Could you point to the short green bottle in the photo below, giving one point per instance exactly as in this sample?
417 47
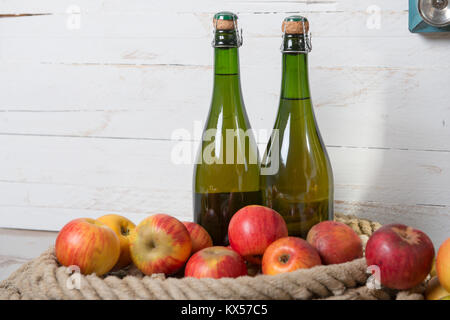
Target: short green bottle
226 173
296 176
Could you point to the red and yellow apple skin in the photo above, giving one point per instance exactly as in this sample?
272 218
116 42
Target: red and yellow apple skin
403 254
122 227
289 254
160 244
335 241
443 264
253 228
199 236
216 262
88 244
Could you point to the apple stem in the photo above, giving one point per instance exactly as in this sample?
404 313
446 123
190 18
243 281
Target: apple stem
124 231
284 258
151 244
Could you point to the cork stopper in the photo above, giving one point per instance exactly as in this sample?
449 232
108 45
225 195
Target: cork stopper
295 25
225 21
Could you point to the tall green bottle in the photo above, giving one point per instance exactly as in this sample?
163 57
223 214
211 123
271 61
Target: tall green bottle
226 173
301 190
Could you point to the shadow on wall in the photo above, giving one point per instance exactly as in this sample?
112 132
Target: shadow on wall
410 183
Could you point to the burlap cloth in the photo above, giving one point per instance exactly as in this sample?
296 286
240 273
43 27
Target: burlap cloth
44 278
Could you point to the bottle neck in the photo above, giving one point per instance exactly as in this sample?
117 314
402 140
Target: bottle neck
227 87
226 61
295 82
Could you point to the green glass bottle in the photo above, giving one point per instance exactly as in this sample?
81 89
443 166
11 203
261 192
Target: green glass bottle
301 190
226 173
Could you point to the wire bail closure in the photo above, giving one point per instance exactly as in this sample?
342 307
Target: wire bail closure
305 46
218 43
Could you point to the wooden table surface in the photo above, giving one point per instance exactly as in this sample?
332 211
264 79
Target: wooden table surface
19 246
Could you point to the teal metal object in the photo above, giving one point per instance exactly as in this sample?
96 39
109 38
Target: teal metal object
417 23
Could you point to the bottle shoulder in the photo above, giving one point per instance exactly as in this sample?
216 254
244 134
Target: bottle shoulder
227 113
228 158
296 139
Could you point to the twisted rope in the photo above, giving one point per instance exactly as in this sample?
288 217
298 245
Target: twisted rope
43 278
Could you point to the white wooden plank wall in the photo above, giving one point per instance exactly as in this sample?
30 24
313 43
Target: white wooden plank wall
89 102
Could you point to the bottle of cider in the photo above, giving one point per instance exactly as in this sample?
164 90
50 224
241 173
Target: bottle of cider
226 173
300 187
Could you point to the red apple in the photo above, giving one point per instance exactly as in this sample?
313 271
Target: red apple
253 228
289 254
160 244
335 241
88 244
199 236
403 254
253 264
216 262
443 264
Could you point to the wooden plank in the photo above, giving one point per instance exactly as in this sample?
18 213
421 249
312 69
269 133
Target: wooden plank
347 51
149 6
143 168
140 169
72 177
54 216
197 25
388 107
433 220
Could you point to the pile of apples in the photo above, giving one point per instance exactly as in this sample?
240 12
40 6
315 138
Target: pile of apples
258 237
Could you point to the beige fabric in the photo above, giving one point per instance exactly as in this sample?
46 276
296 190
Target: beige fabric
43 278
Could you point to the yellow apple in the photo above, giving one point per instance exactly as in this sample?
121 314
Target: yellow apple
160 244
443 264
122 227
434 290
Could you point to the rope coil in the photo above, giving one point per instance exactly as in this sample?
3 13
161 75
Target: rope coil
44 278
